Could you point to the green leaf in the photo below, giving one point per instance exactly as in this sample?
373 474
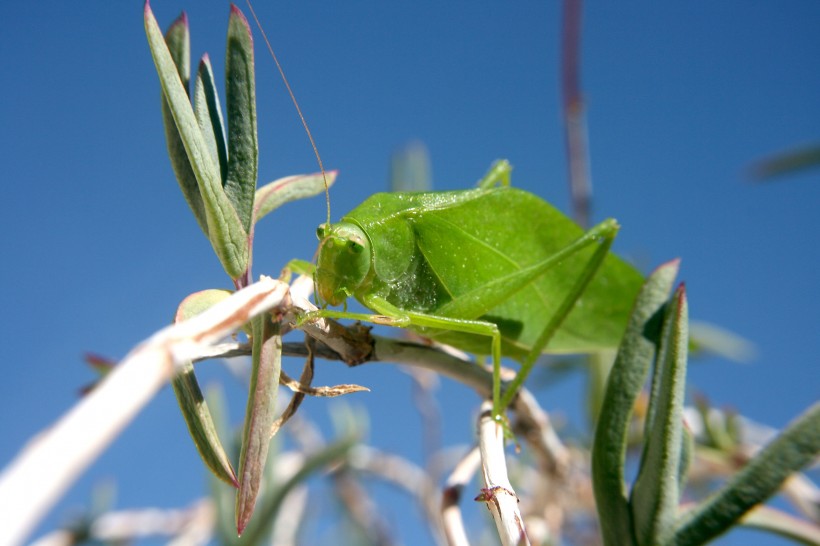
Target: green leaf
627 378
179 45
199 302
290 188
198 419
209 114
259 416
194 409
225 231
243 150
301 267
656 493
797 446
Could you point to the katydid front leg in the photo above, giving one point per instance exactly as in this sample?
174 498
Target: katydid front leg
390 315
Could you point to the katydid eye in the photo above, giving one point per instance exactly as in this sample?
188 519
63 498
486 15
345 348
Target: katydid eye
321 231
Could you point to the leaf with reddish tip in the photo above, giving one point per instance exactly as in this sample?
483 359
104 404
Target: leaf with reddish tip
240 93
290 188
225 231
259 415
194 408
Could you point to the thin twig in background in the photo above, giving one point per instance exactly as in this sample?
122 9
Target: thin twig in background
575 134
451 519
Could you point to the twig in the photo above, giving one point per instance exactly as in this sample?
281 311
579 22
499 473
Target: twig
404 474
187 526
451 519
498 493
575 124
51 462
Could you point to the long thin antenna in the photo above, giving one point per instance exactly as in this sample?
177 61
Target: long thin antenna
295 103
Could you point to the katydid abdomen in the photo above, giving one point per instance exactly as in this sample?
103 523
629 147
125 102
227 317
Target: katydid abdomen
465 255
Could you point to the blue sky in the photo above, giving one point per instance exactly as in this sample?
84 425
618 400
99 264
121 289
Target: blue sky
99 245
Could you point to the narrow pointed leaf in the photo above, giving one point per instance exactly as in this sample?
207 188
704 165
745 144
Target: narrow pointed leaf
240 91
259 416
797 446
272 196
200 426
179 45
194 408
626 379
656 493
225 231
209 114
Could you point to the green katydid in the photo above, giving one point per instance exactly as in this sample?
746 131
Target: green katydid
493 270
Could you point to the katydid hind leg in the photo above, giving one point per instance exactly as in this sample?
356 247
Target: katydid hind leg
605 234
466 326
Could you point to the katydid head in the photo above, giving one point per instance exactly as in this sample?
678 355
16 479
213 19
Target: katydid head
343 261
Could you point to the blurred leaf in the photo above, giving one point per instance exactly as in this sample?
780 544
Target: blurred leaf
656 493
198 302
240 90
290 188
193 406
269 508
102 366
797 446
229 239
209 115
625 382
259 415
301 267
597 367
687 452
223 495
783 524
410 169
710 338
790 162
